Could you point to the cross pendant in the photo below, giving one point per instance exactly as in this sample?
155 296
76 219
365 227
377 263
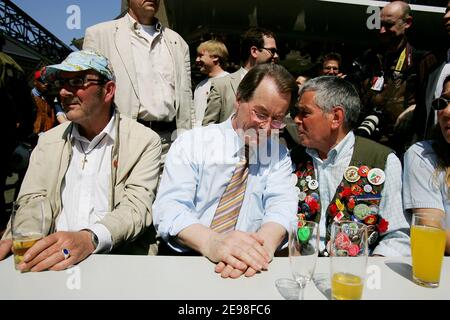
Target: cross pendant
83 161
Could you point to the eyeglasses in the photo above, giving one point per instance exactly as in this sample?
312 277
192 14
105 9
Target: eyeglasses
440 103
275 123
77 82
273 51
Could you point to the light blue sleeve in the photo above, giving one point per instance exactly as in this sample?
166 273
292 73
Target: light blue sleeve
279 198
173 209
421 188
396 241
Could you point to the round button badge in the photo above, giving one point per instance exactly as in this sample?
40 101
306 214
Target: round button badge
294 179
351 174
376 176
313 184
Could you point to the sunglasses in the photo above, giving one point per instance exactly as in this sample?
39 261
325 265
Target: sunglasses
76 82
272 51
440 103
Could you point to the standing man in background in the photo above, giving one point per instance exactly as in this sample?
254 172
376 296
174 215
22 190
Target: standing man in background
211 59
152 67
258 46
392 78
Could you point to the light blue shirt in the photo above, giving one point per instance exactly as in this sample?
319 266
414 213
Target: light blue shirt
198 167
329 173
424 186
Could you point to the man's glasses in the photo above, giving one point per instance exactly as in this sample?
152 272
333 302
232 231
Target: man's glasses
273 51
76 82
274 124
440 103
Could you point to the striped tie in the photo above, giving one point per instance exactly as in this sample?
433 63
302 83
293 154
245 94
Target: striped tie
230 204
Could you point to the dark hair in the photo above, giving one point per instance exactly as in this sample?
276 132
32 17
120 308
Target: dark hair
253 37
282 78
332 56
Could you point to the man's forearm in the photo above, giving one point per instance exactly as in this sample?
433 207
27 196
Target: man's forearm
272 233
196 237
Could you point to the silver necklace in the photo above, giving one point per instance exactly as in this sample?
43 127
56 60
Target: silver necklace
86 153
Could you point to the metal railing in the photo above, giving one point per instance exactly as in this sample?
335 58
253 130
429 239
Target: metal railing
18 25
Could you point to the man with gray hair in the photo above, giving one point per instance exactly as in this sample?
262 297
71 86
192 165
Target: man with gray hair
342 176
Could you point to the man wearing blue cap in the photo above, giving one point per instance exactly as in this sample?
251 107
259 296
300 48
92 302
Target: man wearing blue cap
99 172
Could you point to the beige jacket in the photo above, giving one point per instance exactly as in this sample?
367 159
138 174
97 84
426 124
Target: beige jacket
222 97
135 170
112 39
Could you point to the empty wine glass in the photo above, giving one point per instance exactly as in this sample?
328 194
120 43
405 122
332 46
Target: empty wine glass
303 252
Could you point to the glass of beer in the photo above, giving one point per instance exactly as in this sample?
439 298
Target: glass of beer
348 259
428 239
27 225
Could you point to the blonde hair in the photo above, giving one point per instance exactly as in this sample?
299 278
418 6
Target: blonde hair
215 48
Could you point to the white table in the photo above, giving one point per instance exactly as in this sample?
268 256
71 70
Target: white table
181 278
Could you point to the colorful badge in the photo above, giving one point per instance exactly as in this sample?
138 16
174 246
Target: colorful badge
376 176
361 211
363 171
351 174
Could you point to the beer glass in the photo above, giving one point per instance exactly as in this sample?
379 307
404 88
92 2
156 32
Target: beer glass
428 239
348 254
27 225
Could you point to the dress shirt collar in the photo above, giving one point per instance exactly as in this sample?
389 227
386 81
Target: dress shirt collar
134 25
337 152
231 135
109 130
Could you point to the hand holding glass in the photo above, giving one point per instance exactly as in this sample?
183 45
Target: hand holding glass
27 225
348 240
428 239
303 252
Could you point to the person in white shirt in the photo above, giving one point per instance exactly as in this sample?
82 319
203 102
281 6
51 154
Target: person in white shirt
211 59
202 207
152 67
342 176
99 172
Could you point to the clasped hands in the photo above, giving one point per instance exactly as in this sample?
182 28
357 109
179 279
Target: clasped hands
238 253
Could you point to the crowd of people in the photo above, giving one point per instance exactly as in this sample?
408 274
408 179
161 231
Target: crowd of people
135 162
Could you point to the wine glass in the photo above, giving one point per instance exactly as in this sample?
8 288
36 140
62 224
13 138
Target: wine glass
303 251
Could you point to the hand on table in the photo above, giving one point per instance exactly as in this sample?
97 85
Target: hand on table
239 250
47 252
5 248
228 271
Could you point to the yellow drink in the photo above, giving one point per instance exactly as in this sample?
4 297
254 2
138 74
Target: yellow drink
21 245
427 250
346 286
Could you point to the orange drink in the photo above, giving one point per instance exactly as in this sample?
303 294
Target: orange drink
427 250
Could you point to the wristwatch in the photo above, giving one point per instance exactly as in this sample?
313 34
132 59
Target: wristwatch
94 238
